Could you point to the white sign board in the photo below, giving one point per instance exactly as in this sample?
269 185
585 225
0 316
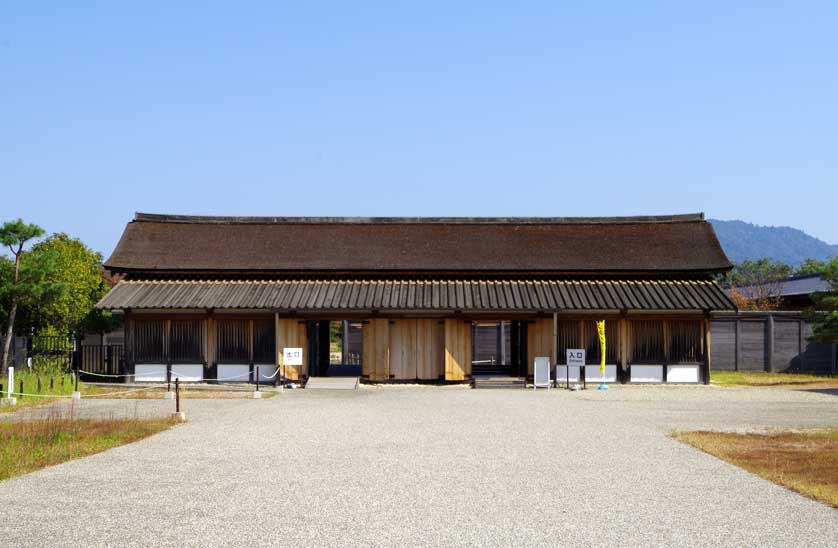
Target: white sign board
292 356
541 373
575 357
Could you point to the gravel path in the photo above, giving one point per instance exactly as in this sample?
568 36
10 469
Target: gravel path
388 466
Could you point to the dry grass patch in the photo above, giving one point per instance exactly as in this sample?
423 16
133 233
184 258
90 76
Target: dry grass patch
29 446
806 462
758 378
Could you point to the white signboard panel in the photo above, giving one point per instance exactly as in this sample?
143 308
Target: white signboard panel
575 357
292 356
541 373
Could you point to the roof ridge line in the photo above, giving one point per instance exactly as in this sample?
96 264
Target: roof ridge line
209 219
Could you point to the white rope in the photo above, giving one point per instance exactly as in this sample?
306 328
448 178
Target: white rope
101 374
174 376
231 378
274 375
22 394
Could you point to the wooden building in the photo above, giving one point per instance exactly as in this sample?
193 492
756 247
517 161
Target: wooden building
416 299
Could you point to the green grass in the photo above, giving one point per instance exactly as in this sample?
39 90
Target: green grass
62 385
758 378
30 446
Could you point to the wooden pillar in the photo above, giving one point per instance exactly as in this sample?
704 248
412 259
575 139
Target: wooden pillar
736 345
801 346
769 343
554 359
624 348
705 374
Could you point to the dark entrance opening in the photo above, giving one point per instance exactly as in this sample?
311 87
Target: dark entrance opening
335 347
499 348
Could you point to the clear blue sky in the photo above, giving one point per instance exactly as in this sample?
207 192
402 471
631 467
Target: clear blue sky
437 108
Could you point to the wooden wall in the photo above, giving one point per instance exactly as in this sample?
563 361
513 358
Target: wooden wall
291 333
430 349
457 350
375 362
769 341
540 342
416 349
403 349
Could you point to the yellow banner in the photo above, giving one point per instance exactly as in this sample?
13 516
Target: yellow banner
600 329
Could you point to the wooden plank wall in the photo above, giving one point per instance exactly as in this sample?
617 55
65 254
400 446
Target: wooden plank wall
430 345
375 362
539 341
291 333
457 350
403 349
748 344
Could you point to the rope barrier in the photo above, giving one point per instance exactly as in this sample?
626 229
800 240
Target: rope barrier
102 374
24 394
175 376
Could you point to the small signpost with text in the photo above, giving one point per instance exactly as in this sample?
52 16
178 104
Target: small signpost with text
575 358
290 356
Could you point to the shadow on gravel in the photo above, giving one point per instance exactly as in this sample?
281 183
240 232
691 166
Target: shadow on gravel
827 391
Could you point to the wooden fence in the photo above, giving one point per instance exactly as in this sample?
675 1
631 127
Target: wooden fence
768 341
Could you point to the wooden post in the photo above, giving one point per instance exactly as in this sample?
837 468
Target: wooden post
769 343
177 395
801 346
707 352
555 342
624 349
736 345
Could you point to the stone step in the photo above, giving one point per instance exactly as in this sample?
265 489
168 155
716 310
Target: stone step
499 382
332 383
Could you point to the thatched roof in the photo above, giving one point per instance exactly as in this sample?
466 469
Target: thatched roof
178 244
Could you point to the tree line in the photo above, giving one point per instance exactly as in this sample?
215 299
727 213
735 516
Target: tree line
757 285
49 285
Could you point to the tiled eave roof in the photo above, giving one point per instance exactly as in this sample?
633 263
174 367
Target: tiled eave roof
419 295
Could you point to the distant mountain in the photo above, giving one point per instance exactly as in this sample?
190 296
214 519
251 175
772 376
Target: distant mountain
743 241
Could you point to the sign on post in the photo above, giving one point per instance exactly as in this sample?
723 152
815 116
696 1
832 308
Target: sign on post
292 356
575 358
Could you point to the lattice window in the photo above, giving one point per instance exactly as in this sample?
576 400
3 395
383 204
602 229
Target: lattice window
685 345
149 341
186 341
233 341
568 336
647 341
264 341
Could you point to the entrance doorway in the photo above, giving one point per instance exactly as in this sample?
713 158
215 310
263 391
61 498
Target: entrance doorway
499 348
336 347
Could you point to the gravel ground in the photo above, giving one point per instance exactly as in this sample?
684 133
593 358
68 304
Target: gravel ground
395 466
